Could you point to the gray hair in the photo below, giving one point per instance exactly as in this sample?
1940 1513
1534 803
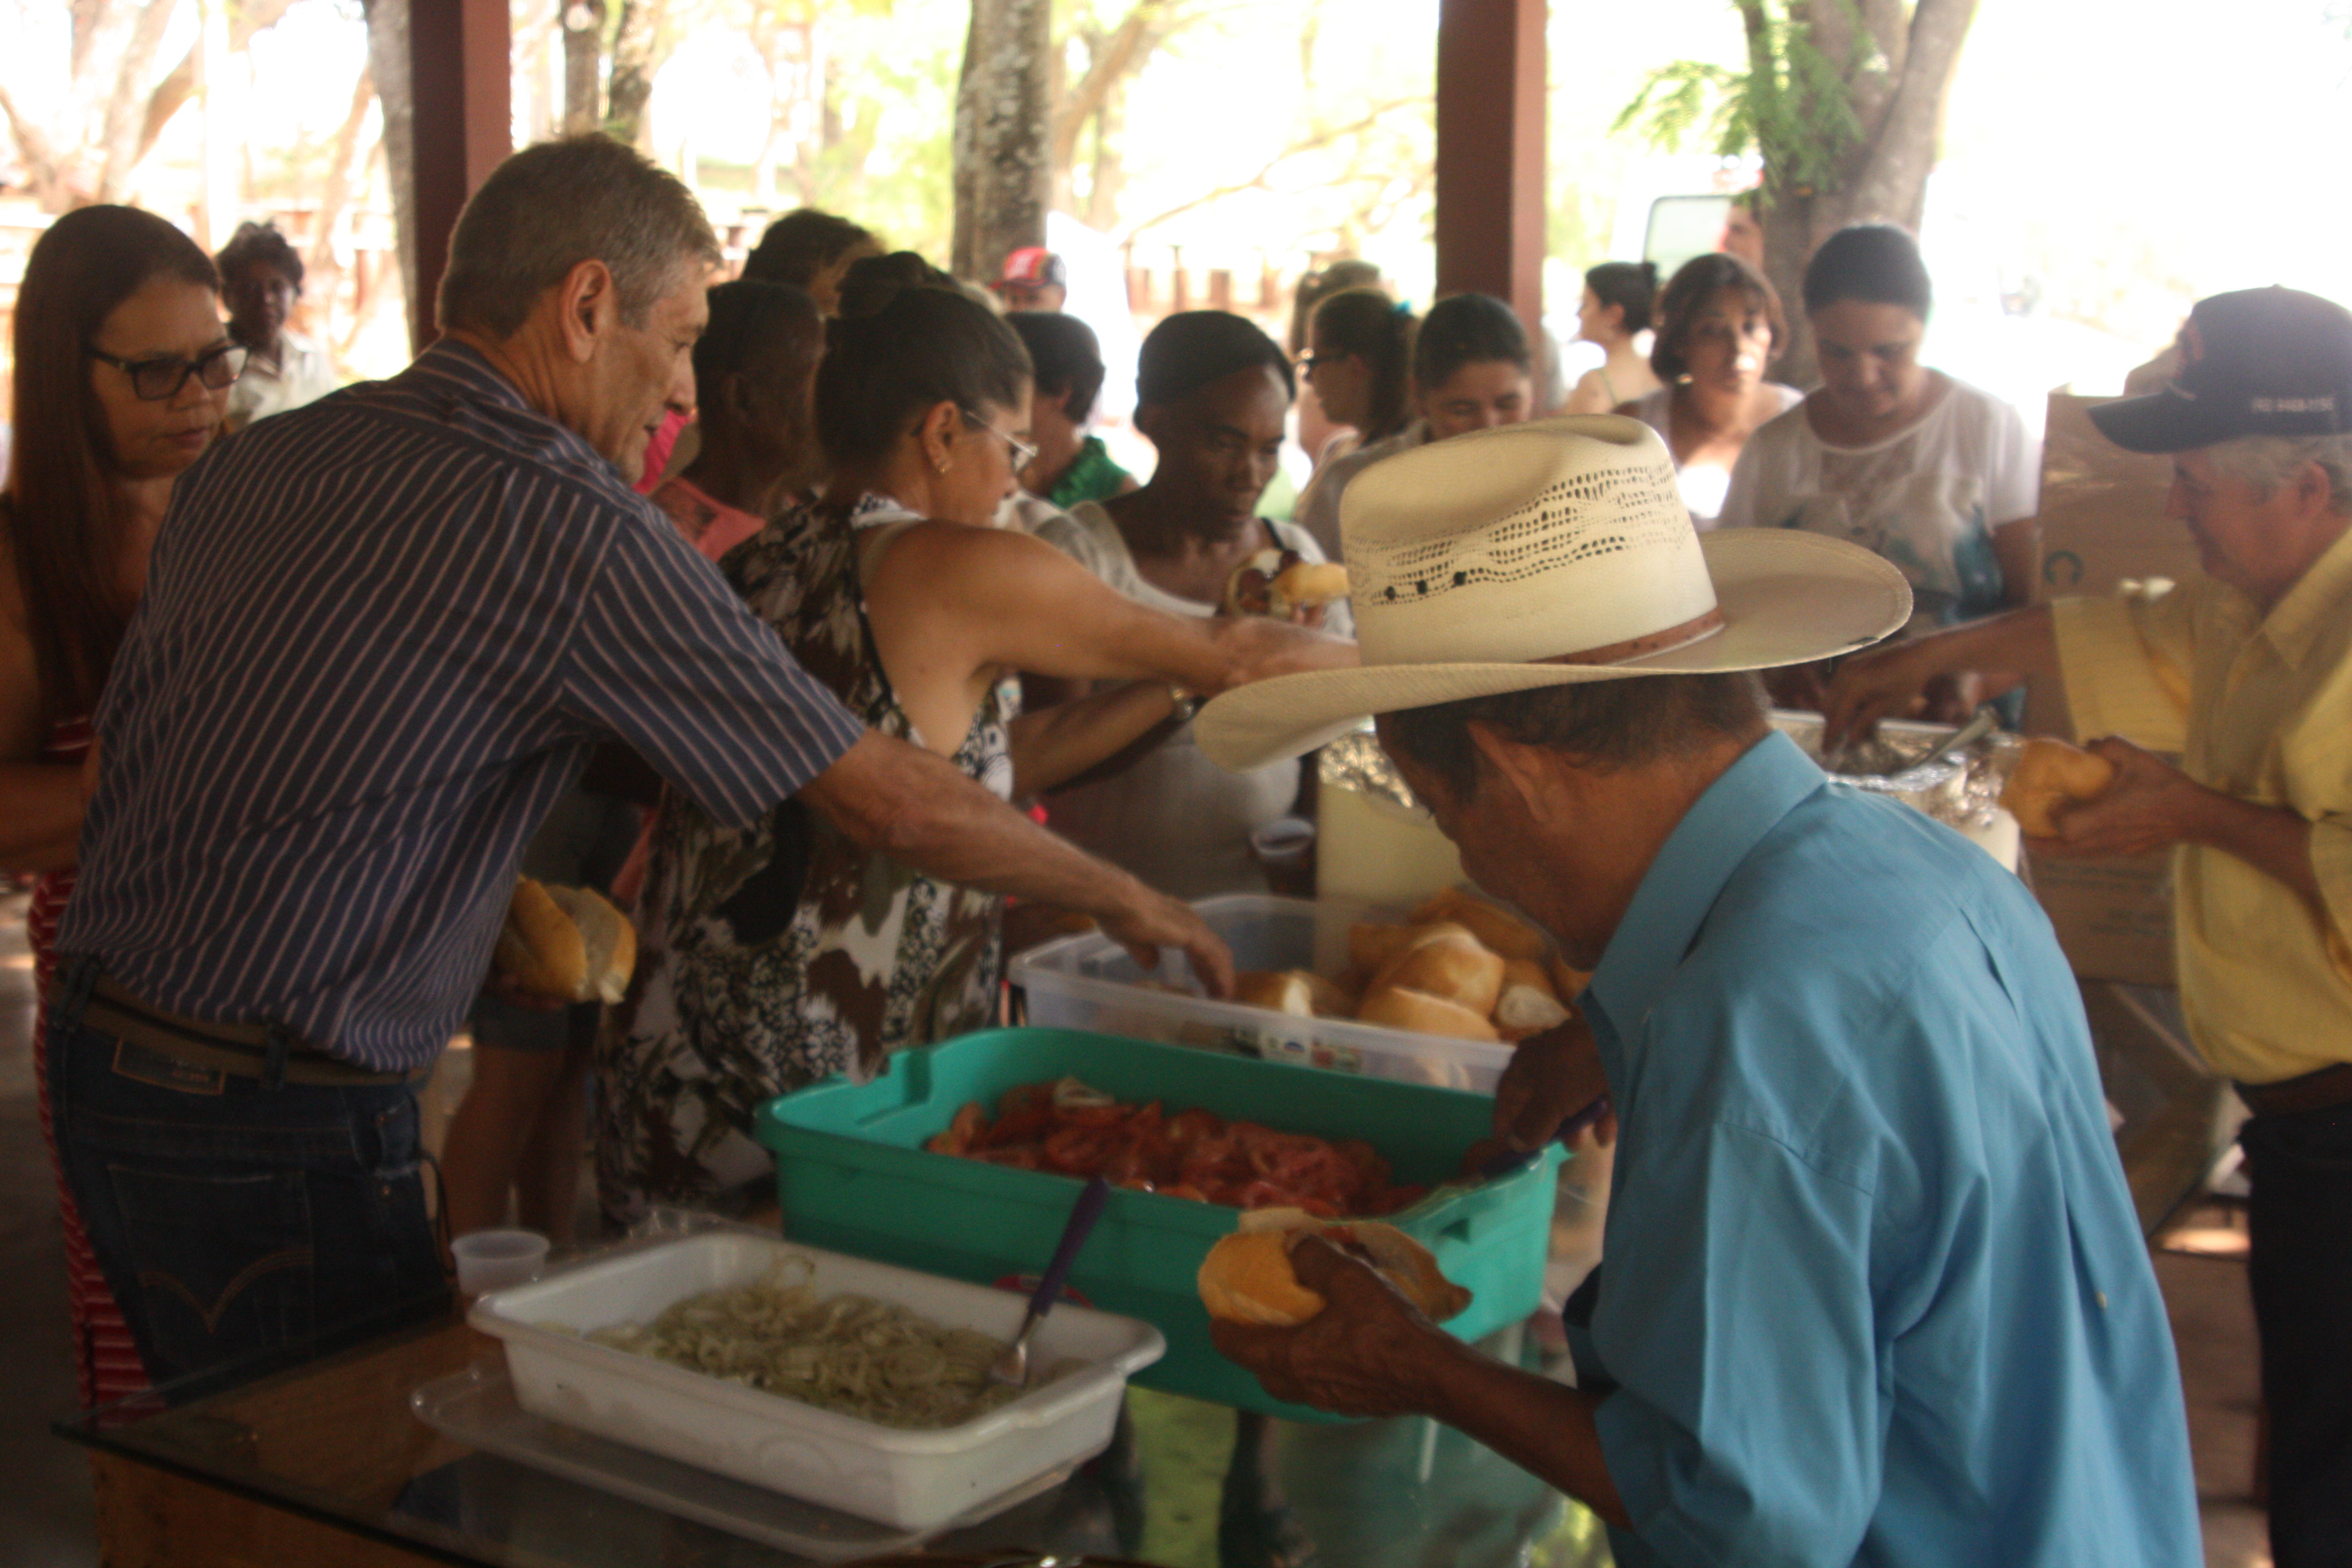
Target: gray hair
2267 462
550 207
1605 725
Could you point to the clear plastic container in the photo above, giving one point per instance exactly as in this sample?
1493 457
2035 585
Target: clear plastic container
1087 982
912 1479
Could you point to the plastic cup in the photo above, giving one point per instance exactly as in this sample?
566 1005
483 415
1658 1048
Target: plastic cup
495 1259
1285 849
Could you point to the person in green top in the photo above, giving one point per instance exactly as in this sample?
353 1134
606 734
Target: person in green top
1070 467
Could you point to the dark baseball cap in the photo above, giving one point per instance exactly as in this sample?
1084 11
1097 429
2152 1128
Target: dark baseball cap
2261 362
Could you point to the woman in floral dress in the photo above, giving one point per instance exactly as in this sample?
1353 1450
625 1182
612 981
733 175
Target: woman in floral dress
773 956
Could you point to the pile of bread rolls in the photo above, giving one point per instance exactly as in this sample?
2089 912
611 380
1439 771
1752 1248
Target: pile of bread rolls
1461 967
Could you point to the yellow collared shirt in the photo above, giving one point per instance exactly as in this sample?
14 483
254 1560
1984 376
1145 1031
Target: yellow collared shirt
2260 708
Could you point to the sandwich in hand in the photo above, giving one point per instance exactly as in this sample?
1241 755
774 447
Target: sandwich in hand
565 941
1247 1277
1277 582
2050 775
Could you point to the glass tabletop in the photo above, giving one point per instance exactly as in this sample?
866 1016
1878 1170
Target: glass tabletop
337 1431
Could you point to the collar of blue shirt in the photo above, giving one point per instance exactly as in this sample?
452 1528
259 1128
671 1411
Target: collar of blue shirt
1698 857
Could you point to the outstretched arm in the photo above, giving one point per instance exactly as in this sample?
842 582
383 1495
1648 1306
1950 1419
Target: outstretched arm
918 808
1052 745
962 599
1884 682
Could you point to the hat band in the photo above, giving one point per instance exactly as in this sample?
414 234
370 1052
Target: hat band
1683 636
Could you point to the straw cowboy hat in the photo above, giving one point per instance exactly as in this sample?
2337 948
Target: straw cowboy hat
1545 555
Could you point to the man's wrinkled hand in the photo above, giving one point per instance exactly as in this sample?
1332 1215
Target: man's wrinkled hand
2150 805
1367 1353
1551 1078
1152 921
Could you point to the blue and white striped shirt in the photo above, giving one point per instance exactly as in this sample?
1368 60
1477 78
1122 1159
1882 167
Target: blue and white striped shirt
380 637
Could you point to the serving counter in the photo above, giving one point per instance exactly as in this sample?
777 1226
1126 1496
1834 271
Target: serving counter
325 1461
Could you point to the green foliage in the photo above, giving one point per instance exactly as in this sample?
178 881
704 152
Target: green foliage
1790 105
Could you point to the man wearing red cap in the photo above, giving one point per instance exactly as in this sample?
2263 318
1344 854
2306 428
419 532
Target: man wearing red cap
2245 671
1034 278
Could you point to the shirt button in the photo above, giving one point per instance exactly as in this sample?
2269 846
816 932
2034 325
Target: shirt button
2103 1300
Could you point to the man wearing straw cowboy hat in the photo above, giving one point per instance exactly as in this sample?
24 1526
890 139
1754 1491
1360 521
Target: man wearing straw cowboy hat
1874 1291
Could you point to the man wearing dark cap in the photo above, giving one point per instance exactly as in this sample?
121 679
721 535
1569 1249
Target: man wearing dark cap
2244 670
1034 278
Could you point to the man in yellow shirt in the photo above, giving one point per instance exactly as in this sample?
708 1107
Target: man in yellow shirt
2245 671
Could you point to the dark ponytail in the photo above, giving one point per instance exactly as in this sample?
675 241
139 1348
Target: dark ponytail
908 338
1630 285
1367 323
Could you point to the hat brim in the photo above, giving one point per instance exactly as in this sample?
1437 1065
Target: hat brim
1787 597
2167 421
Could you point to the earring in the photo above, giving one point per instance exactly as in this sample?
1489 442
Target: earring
942 465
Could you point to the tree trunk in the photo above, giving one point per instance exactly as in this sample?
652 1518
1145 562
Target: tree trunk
1003 162
323 273
1897 88
126 107
387 25
584 51
175 88
636 57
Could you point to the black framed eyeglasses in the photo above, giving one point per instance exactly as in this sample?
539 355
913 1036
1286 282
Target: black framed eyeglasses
159 380
1023 454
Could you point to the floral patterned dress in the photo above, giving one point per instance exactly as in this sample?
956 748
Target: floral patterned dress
775 955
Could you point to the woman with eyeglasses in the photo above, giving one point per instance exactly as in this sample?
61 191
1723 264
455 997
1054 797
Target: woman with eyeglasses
772 956
1358 361
122 375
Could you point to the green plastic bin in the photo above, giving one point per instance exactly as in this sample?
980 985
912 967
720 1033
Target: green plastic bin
851 1175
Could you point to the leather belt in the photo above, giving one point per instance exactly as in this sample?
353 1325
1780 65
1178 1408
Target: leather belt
240 1050
2321 1090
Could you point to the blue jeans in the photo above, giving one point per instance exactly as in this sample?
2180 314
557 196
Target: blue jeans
233 1220
2299 1221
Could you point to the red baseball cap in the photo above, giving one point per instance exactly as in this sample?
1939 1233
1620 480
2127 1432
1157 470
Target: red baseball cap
1034 266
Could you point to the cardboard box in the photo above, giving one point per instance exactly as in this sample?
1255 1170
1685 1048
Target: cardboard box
2114 918
2102 523
2102 512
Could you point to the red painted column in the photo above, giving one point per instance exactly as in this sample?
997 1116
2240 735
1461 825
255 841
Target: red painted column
461 64
1491 88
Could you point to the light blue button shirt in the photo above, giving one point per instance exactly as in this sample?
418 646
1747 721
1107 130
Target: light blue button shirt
1875 1289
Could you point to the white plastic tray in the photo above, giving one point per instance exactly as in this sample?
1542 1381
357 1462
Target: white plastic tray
912 1481
1087 982
477 1407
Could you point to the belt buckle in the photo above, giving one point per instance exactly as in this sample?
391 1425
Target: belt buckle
142 1064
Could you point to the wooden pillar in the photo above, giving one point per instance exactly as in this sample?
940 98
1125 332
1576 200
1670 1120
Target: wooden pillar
460 59
1490 151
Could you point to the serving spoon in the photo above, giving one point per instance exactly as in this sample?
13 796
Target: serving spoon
1013 1367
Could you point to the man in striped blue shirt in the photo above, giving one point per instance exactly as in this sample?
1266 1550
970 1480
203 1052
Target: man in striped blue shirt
380 635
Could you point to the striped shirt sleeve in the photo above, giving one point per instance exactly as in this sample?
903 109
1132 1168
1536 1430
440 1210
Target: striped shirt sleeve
670 661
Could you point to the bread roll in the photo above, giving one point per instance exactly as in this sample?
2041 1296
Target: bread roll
1395 1008
1372 943
1247 1278
1530 1004
1306 585
1276 990
565 941
1329 998
2049 774
1499 930
1448 962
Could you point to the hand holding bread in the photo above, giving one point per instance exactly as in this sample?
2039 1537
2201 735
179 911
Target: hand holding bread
2048 776
1247 1277
1283 585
